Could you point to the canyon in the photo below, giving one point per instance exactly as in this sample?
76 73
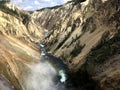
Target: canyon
85 35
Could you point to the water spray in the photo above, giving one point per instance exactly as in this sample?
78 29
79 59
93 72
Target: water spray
63 76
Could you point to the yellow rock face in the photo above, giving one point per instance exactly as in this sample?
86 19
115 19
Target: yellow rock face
17 46
84 24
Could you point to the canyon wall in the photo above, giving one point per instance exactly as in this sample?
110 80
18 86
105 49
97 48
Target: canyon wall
85 35
18 37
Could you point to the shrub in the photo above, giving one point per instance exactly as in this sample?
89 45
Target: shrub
77 49
78 1
73 40
5 9
25 19
104 50
65 38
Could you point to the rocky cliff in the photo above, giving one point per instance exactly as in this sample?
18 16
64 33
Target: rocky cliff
18 23
85 34
18 37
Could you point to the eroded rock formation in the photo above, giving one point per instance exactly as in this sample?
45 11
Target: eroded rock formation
18 35
85 35
78 32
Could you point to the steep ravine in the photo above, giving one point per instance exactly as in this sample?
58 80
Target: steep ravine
20 66
81 35
18 37
85 35
83 24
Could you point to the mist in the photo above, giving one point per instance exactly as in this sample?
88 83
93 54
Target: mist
41 77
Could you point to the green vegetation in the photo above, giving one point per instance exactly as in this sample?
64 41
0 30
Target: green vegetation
99 54
65 38
77 1
102 52
77 49
65 57
88 26
55 7
63 41
4 1
115 18
73 27
73 40
106 49
5 9
25 19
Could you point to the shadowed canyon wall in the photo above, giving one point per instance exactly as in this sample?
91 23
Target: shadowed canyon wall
85 35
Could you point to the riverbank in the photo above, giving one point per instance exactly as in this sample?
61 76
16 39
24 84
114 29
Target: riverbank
4 84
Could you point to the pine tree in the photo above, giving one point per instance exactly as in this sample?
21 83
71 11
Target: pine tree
78 1
4 0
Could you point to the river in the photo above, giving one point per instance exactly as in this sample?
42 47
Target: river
49 74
